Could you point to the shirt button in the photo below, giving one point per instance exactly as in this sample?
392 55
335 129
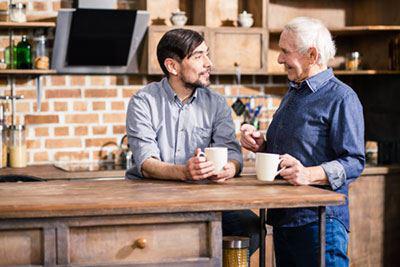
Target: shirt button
178 150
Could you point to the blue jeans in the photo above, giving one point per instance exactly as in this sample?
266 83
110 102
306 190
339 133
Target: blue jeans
299 246
242 223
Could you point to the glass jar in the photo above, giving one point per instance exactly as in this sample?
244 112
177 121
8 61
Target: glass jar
24 54
7 57
236 251
41 61
3 148
353 61
17 146
18 12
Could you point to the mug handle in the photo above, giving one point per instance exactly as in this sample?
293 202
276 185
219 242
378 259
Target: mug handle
201 154
278 172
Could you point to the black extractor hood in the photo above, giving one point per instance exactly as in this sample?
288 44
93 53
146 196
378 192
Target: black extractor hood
98 41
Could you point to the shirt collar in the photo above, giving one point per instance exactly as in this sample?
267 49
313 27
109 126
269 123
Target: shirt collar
171 93
314 83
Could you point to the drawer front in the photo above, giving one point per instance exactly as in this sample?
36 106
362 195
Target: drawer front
21 247
119 244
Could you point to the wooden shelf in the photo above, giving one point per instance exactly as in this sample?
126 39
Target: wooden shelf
349 72
26 25
356 29
27 72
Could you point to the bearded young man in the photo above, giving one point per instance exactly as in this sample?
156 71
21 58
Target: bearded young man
171 121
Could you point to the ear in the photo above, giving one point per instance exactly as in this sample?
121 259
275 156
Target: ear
313 55
171 65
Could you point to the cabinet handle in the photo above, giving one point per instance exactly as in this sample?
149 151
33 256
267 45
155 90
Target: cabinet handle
140 243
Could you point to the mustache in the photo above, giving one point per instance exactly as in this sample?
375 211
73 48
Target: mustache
208 70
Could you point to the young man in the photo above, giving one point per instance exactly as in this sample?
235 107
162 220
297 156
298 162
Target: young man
171 121
319 131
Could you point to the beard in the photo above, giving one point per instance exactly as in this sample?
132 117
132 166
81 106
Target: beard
198 82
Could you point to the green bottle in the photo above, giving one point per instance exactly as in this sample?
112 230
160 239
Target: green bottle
8 59
24 54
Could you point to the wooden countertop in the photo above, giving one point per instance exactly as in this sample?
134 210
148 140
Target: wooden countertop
49 172
89 198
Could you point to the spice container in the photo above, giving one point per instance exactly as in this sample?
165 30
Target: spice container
17 146
18 12
24 54
353 61
41 54
236 251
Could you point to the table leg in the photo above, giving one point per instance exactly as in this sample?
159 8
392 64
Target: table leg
322 231
262 238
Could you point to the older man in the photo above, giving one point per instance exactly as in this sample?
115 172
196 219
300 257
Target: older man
170 121
319 131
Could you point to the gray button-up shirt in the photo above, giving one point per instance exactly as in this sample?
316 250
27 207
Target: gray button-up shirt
160 126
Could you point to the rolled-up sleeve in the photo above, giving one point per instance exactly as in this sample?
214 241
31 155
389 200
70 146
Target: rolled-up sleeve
347 141
224 133
141 133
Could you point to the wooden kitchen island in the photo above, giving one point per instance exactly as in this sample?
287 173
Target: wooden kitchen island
120 223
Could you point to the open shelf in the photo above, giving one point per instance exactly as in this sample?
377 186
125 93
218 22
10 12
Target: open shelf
26 25
356 29
26 72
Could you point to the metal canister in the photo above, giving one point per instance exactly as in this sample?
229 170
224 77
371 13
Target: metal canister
236 251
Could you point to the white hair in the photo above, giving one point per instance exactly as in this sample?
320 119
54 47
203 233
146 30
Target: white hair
310 32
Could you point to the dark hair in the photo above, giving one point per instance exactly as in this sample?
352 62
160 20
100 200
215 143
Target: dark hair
177 44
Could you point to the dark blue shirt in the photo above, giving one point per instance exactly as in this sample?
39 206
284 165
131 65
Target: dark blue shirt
319 122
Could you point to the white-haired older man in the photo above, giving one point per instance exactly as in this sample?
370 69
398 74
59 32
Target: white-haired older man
318 130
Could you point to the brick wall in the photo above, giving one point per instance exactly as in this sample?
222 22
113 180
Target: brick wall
83 117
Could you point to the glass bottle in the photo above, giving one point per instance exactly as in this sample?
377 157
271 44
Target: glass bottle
41 53
236 251
18 12
8 59
24 54
17 146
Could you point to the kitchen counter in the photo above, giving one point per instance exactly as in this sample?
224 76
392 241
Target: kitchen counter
49 172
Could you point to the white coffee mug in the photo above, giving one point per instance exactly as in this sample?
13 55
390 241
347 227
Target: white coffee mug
218 155
267 166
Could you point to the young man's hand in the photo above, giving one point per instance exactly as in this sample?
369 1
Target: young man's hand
199 168
228 172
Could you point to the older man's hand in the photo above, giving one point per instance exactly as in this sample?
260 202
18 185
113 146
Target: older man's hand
295 173
251 139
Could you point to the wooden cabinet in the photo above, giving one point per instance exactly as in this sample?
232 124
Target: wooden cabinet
187 239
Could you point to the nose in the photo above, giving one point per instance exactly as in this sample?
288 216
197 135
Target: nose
281 58
207 62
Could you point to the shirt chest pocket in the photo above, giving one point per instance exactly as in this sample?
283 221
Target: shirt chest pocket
200 138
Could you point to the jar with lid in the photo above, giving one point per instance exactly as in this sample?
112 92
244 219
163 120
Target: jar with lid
17 146
18 12
236 251
41 54
353 61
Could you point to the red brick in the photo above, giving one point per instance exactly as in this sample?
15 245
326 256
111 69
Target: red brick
128 93
42 131
244 90
62 143
43 107
98 80
63 93
23 82
99 130
100 93
219 90
114 118
28 94
41 119
77 80
82 118
80 106
81 130
99 142
40 156
119 129
120 105
136 79
56 6
99 105
60 106
33 143
61 131
276 90
57 80
73 156
23 107
40 6
276 101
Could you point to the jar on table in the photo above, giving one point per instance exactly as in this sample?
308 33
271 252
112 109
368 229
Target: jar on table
236 251
17 146
41 53
18 12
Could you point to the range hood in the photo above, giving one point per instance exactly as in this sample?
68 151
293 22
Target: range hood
98 41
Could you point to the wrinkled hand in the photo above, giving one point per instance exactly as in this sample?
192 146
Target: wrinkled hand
295 173
228 172
251 139
199 168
